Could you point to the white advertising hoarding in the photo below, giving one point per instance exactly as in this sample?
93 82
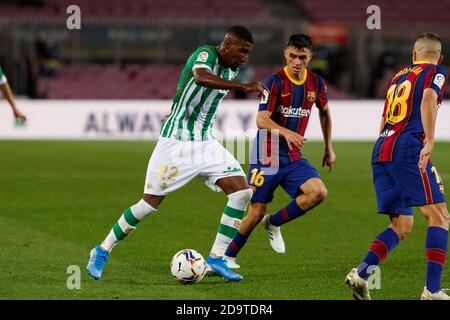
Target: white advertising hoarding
355 120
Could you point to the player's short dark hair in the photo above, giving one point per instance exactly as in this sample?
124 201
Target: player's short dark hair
300 41
429 36
241 33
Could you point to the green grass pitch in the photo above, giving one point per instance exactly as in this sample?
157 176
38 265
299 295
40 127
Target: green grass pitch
58 199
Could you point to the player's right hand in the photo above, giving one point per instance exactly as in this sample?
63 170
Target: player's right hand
293 139
425 154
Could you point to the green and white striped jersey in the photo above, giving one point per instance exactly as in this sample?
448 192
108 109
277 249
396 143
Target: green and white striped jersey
194 107
2 77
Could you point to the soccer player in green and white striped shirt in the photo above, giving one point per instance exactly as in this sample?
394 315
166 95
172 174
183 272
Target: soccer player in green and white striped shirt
195 104
7 93
186 149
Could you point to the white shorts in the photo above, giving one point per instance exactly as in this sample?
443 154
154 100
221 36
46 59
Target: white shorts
174 163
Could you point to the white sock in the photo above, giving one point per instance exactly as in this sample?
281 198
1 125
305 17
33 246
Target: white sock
231 220
127 223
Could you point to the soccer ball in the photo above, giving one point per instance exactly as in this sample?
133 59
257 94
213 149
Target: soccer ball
188 266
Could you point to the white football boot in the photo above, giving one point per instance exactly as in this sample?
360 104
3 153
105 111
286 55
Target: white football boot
360 289
276 239
440 295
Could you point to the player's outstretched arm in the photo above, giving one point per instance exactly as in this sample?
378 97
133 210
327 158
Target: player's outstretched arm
7 93
329 158
204 78
293 139
428 111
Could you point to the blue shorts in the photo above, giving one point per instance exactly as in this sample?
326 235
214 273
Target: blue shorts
400 186
264 180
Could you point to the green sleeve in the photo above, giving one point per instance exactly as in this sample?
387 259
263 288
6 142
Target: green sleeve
2 77
204 57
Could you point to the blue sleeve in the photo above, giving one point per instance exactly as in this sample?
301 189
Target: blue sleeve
436 79
322 96
269 102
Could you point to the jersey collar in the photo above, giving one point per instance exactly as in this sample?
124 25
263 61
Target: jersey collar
421 62
297 82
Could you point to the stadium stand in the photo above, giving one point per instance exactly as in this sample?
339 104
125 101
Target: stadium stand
124 44
98 81
150 9
349 11
153 81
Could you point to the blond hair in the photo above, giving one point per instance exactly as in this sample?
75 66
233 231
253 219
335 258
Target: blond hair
428 46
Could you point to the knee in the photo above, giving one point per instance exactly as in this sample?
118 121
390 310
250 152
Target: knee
402 230
153 200
256 212
247 194
242 197
142 209
319 194
436 215
256 216
439 219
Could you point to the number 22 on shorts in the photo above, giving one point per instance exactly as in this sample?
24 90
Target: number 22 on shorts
173 171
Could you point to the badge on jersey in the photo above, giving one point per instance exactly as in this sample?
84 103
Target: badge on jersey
439 80
264 96
203 56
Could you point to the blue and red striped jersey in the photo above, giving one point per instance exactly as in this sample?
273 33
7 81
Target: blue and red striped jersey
290 102
401 139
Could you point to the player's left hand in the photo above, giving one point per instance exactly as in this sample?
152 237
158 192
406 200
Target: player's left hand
19 115
425 154
329 159
255 87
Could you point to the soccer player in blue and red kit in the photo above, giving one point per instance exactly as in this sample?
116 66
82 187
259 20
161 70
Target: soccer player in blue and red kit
284 113
403 175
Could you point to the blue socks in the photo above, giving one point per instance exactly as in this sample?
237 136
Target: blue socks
236 245
290 212
436 246
381 246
